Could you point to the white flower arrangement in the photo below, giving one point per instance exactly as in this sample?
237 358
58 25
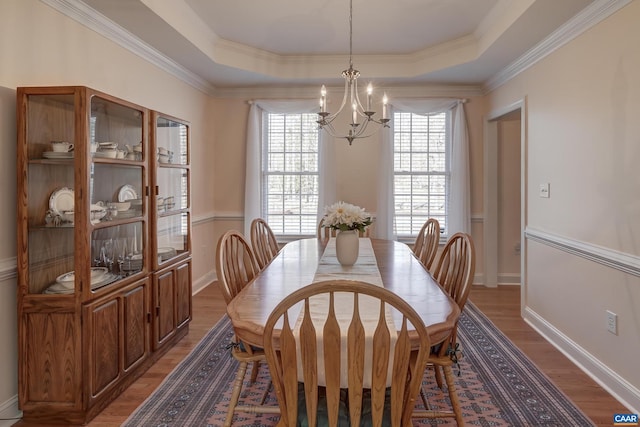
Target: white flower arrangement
345 216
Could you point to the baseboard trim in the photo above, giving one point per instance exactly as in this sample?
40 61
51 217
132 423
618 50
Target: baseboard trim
9 412
508 278
618 387
203 282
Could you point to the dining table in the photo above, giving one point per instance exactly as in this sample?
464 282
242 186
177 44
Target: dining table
299 263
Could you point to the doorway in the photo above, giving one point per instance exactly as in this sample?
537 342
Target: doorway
505 196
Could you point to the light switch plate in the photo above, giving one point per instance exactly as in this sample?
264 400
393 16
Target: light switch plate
544 190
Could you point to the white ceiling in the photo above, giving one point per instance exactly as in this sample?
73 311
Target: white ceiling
244 43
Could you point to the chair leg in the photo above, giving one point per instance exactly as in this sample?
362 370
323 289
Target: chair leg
453 396
438 376
266 393
235 394
423 396
254 371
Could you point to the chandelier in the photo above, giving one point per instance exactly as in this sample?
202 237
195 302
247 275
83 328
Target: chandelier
361 115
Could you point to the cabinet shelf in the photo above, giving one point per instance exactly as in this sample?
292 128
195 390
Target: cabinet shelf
43 161
117 161
48 227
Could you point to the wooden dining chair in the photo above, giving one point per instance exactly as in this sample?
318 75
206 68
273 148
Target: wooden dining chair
236 267
454 273
426 244
263 241
300 395
324 233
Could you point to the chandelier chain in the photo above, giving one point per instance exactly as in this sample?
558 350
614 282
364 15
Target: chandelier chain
350 33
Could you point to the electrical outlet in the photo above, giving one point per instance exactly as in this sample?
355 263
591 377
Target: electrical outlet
612 322
544 190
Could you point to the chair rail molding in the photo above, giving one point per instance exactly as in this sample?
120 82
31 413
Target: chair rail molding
611 258
8 268
203 218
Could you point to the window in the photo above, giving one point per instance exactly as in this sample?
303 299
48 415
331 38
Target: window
421 170
290 173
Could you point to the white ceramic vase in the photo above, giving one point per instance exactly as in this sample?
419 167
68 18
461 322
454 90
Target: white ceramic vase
347 247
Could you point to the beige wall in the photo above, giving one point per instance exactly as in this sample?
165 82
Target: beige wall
583 138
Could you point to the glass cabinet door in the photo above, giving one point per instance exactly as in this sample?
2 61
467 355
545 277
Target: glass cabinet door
49 147
117 186
82 186
172 203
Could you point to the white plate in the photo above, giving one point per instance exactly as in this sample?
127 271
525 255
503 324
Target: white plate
105 280
67 288
59 288
127 192
57 155
97 274
61 200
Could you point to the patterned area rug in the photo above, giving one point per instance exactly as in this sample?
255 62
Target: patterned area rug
498 386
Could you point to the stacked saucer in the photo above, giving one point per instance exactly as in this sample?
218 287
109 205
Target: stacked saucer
64 283
134 263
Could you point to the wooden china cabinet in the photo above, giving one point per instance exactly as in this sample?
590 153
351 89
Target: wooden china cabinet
104 247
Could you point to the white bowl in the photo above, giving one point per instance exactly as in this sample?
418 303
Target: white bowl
68 216
122 206
109 154
97 212
108 145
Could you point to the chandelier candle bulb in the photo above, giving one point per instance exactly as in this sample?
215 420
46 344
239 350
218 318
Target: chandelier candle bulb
385 100
323 99
354 116
369 93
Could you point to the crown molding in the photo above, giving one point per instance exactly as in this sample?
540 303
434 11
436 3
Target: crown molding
312 92
90 18
97 22
587 18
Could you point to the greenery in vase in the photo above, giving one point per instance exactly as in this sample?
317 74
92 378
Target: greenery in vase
345 216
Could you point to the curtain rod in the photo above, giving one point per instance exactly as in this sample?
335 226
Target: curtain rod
463 100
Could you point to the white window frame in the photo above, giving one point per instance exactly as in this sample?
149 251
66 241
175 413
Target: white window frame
416 220
310 214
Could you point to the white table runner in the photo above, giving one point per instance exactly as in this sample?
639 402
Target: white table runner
365 269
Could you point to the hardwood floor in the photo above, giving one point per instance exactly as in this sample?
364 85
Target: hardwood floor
501 305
